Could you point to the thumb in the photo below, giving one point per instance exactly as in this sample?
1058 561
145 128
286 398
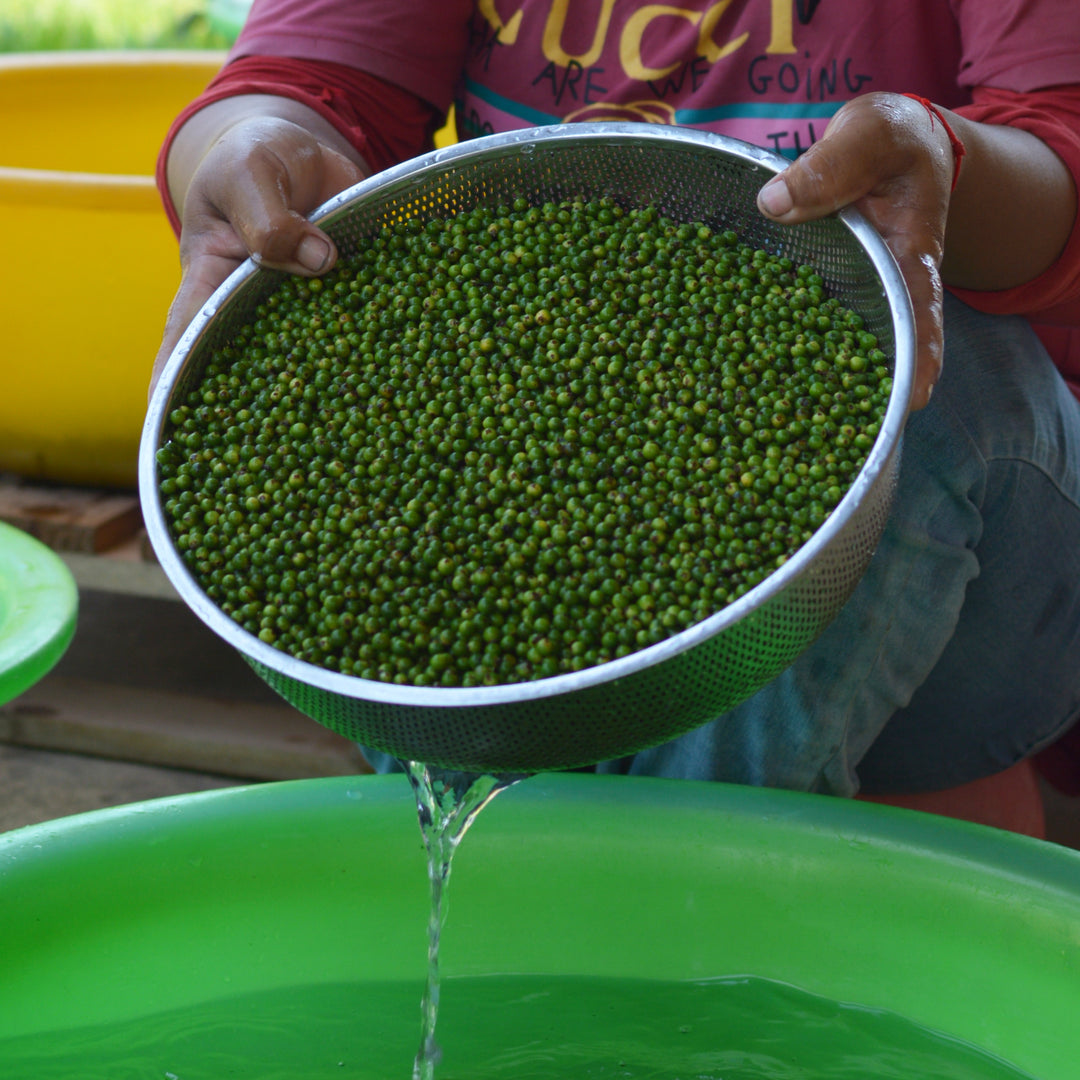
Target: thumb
202 275
267 198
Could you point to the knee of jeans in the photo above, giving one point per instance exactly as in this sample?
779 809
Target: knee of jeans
999 383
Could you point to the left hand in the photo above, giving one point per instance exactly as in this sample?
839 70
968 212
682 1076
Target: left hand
882 154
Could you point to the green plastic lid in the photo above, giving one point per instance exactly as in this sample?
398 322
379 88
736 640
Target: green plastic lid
38 609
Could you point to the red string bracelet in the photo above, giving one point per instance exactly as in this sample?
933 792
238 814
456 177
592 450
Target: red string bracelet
958 147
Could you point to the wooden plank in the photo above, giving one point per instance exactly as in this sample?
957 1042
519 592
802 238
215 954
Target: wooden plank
118 576
71 519
224 737
43 785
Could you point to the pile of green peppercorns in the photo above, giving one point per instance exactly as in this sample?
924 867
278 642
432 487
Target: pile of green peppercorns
517 442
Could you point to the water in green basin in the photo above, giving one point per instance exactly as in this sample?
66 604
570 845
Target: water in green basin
511 1027
504 1026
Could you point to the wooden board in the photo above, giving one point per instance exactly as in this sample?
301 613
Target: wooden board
71 519
179 731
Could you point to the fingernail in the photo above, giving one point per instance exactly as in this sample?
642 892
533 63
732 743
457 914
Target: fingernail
774 198
313 253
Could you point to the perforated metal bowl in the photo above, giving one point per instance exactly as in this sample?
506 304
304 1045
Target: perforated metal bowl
669 688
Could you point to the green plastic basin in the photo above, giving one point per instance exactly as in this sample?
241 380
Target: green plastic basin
38 610
165 906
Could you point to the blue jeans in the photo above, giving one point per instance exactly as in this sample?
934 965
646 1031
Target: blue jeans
958 654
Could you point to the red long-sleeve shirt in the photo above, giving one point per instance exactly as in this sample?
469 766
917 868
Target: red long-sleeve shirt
388 124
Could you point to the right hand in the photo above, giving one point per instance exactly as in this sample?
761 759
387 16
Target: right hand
885 155
249 196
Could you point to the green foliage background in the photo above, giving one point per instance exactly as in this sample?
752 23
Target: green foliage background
44 25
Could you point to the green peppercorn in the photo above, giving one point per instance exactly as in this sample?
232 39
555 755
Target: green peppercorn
517 442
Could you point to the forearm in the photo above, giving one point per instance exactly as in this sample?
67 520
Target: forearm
203 129
270 140
1013 210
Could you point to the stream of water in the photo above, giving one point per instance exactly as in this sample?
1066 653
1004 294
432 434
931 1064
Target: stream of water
447 803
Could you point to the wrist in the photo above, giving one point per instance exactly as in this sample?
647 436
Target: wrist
936 116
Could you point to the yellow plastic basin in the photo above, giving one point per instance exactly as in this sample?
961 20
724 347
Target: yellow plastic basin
90 263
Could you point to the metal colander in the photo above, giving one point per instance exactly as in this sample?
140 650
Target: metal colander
667 689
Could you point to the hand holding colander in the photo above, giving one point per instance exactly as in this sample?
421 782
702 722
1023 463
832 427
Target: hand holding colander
666 689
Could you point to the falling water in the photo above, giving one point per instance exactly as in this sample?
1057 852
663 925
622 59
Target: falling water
447 802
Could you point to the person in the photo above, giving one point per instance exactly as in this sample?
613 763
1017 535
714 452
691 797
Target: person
954 127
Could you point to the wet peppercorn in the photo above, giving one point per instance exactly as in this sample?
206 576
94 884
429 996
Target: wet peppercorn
517 442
